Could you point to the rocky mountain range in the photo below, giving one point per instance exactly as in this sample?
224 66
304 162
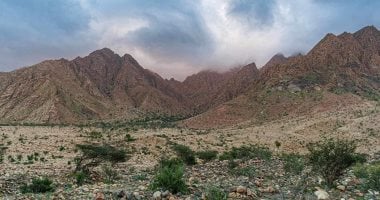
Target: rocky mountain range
340 70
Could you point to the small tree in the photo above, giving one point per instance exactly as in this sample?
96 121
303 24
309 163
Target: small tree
92 155
331 157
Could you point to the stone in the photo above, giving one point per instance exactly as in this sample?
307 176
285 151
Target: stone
136 195
141 188
268 189
321 194
85 189
249 192
233 189
232 195
157 195
172 198
241 189
341 187
294 88
258 183
99 196
165 194
121 194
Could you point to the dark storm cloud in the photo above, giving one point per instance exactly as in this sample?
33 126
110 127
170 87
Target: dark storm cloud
175 29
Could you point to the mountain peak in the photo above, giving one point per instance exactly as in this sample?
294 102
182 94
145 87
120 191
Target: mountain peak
370 29
277 59
103 52
367 32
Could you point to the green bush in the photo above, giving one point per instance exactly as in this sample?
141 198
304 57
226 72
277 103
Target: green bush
185 154
38 185
214 193
169 176
249 152
2 152
109 174
293 163
129 138
207 155
81 177
232 164
249 171
371 174
331 157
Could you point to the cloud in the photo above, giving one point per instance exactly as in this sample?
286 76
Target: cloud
254 13
31 31
174 37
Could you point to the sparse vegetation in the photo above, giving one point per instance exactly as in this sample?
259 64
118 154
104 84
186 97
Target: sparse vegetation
207 155
169 176
81 177
2 153
248 171
331 157
185 154
293 163
129 138
109 174
371 175
215 193
92 155
249 152
38 185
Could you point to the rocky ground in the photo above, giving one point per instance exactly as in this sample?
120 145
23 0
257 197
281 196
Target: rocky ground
35 151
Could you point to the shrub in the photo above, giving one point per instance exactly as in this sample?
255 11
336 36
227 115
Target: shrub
129 138
169 176
207 155
293 163
249 171
2 152
232 164
331 157
81 177
185 154
109 174
249 152
214 193
371 174
277 143
39 185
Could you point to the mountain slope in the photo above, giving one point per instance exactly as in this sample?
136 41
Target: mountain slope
338 71
102 85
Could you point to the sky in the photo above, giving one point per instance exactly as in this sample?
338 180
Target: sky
174 38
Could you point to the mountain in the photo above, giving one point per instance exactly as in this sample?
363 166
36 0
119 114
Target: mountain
102 85
339 71
208 89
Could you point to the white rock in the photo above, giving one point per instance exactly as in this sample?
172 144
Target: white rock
157 195
341 187
321 194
